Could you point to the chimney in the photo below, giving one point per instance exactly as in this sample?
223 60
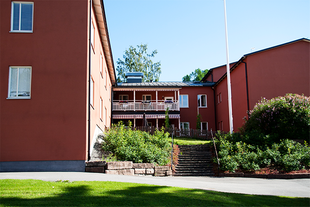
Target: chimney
134 77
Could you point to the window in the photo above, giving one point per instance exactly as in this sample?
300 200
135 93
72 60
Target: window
185 125
183 101
92 35
202 100
106 79
220 126
101 109
219 98
19 82
92 92
101 65
146 97
106 116
204 125
123 97
22 17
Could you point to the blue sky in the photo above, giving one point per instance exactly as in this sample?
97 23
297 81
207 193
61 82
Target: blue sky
190 34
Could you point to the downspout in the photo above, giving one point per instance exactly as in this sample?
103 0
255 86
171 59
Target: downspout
246 85
89 76
214 99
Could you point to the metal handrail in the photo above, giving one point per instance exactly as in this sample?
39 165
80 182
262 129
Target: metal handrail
218 161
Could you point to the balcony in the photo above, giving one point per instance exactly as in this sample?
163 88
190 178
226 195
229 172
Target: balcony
131 105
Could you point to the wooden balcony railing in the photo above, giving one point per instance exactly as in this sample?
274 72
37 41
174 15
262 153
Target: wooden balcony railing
131 105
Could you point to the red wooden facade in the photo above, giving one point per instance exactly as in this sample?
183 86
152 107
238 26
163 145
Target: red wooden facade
48 118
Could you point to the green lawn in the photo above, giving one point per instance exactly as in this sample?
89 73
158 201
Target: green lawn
189 141
42 193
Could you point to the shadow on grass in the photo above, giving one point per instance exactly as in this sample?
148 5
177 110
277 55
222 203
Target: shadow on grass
86 195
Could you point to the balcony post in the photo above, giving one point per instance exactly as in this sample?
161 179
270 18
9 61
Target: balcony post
156 100
134 100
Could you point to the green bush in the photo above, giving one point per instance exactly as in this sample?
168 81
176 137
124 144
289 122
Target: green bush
279 118
137 146
287 155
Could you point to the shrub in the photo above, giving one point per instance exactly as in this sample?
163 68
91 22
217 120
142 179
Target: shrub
279 118
137 146
287 155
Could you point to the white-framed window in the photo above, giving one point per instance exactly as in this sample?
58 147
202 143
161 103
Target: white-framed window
202 100
22 17
92 92
105 115
219 98
92 35
101 64
220 126
123 97
19 82
106 78
204 125
185 125
183 101
101 109
146 97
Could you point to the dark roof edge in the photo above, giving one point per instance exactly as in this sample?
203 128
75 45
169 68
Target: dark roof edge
246 55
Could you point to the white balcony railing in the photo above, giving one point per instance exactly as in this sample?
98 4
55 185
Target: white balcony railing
145 105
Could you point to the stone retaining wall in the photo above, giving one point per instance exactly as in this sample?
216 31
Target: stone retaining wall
127 168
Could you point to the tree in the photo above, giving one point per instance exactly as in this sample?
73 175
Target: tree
138 60
167 122
197 75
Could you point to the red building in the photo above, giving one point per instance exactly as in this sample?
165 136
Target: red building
58 87
56 80
267 73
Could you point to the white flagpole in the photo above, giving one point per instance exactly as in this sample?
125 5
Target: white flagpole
231 127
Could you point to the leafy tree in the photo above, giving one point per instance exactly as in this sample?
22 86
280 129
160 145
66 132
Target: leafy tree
197 75
138 60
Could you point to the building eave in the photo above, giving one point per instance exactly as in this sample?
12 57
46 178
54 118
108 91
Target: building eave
104 36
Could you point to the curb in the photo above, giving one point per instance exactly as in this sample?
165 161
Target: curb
267 176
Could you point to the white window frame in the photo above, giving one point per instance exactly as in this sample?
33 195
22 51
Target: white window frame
181 101
17 87
207 124
144 97
121 97
92 35
182 125
101 109
199 100
101 65
20 18
92 91
219 98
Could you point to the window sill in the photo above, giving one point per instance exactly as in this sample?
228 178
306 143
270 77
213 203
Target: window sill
12 98
17 31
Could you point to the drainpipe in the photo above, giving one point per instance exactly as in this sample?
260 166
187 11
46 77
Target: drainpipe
247 86
214 99
89 76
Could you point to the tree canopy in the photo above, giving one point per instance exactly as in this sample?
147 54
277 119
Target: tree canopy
197 75
138 60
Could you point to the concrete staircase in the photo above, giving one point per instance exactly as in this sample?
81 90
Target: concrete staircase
194 160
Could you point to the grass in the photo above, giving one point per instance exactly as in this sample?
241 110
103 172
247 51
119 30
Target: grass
189 141
95 193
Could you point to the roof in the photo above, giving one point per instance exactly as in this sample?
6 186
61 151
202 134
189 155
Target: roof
163 84
246 55
104 35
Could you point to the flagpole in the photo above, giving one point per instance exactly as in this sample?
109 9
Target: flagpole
231 127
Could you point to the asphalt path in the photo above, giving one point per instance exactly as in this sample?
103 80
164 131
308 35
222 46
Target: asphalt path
253 186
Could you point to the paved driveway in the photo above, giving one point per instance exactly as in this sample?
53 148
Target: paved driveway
256 186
